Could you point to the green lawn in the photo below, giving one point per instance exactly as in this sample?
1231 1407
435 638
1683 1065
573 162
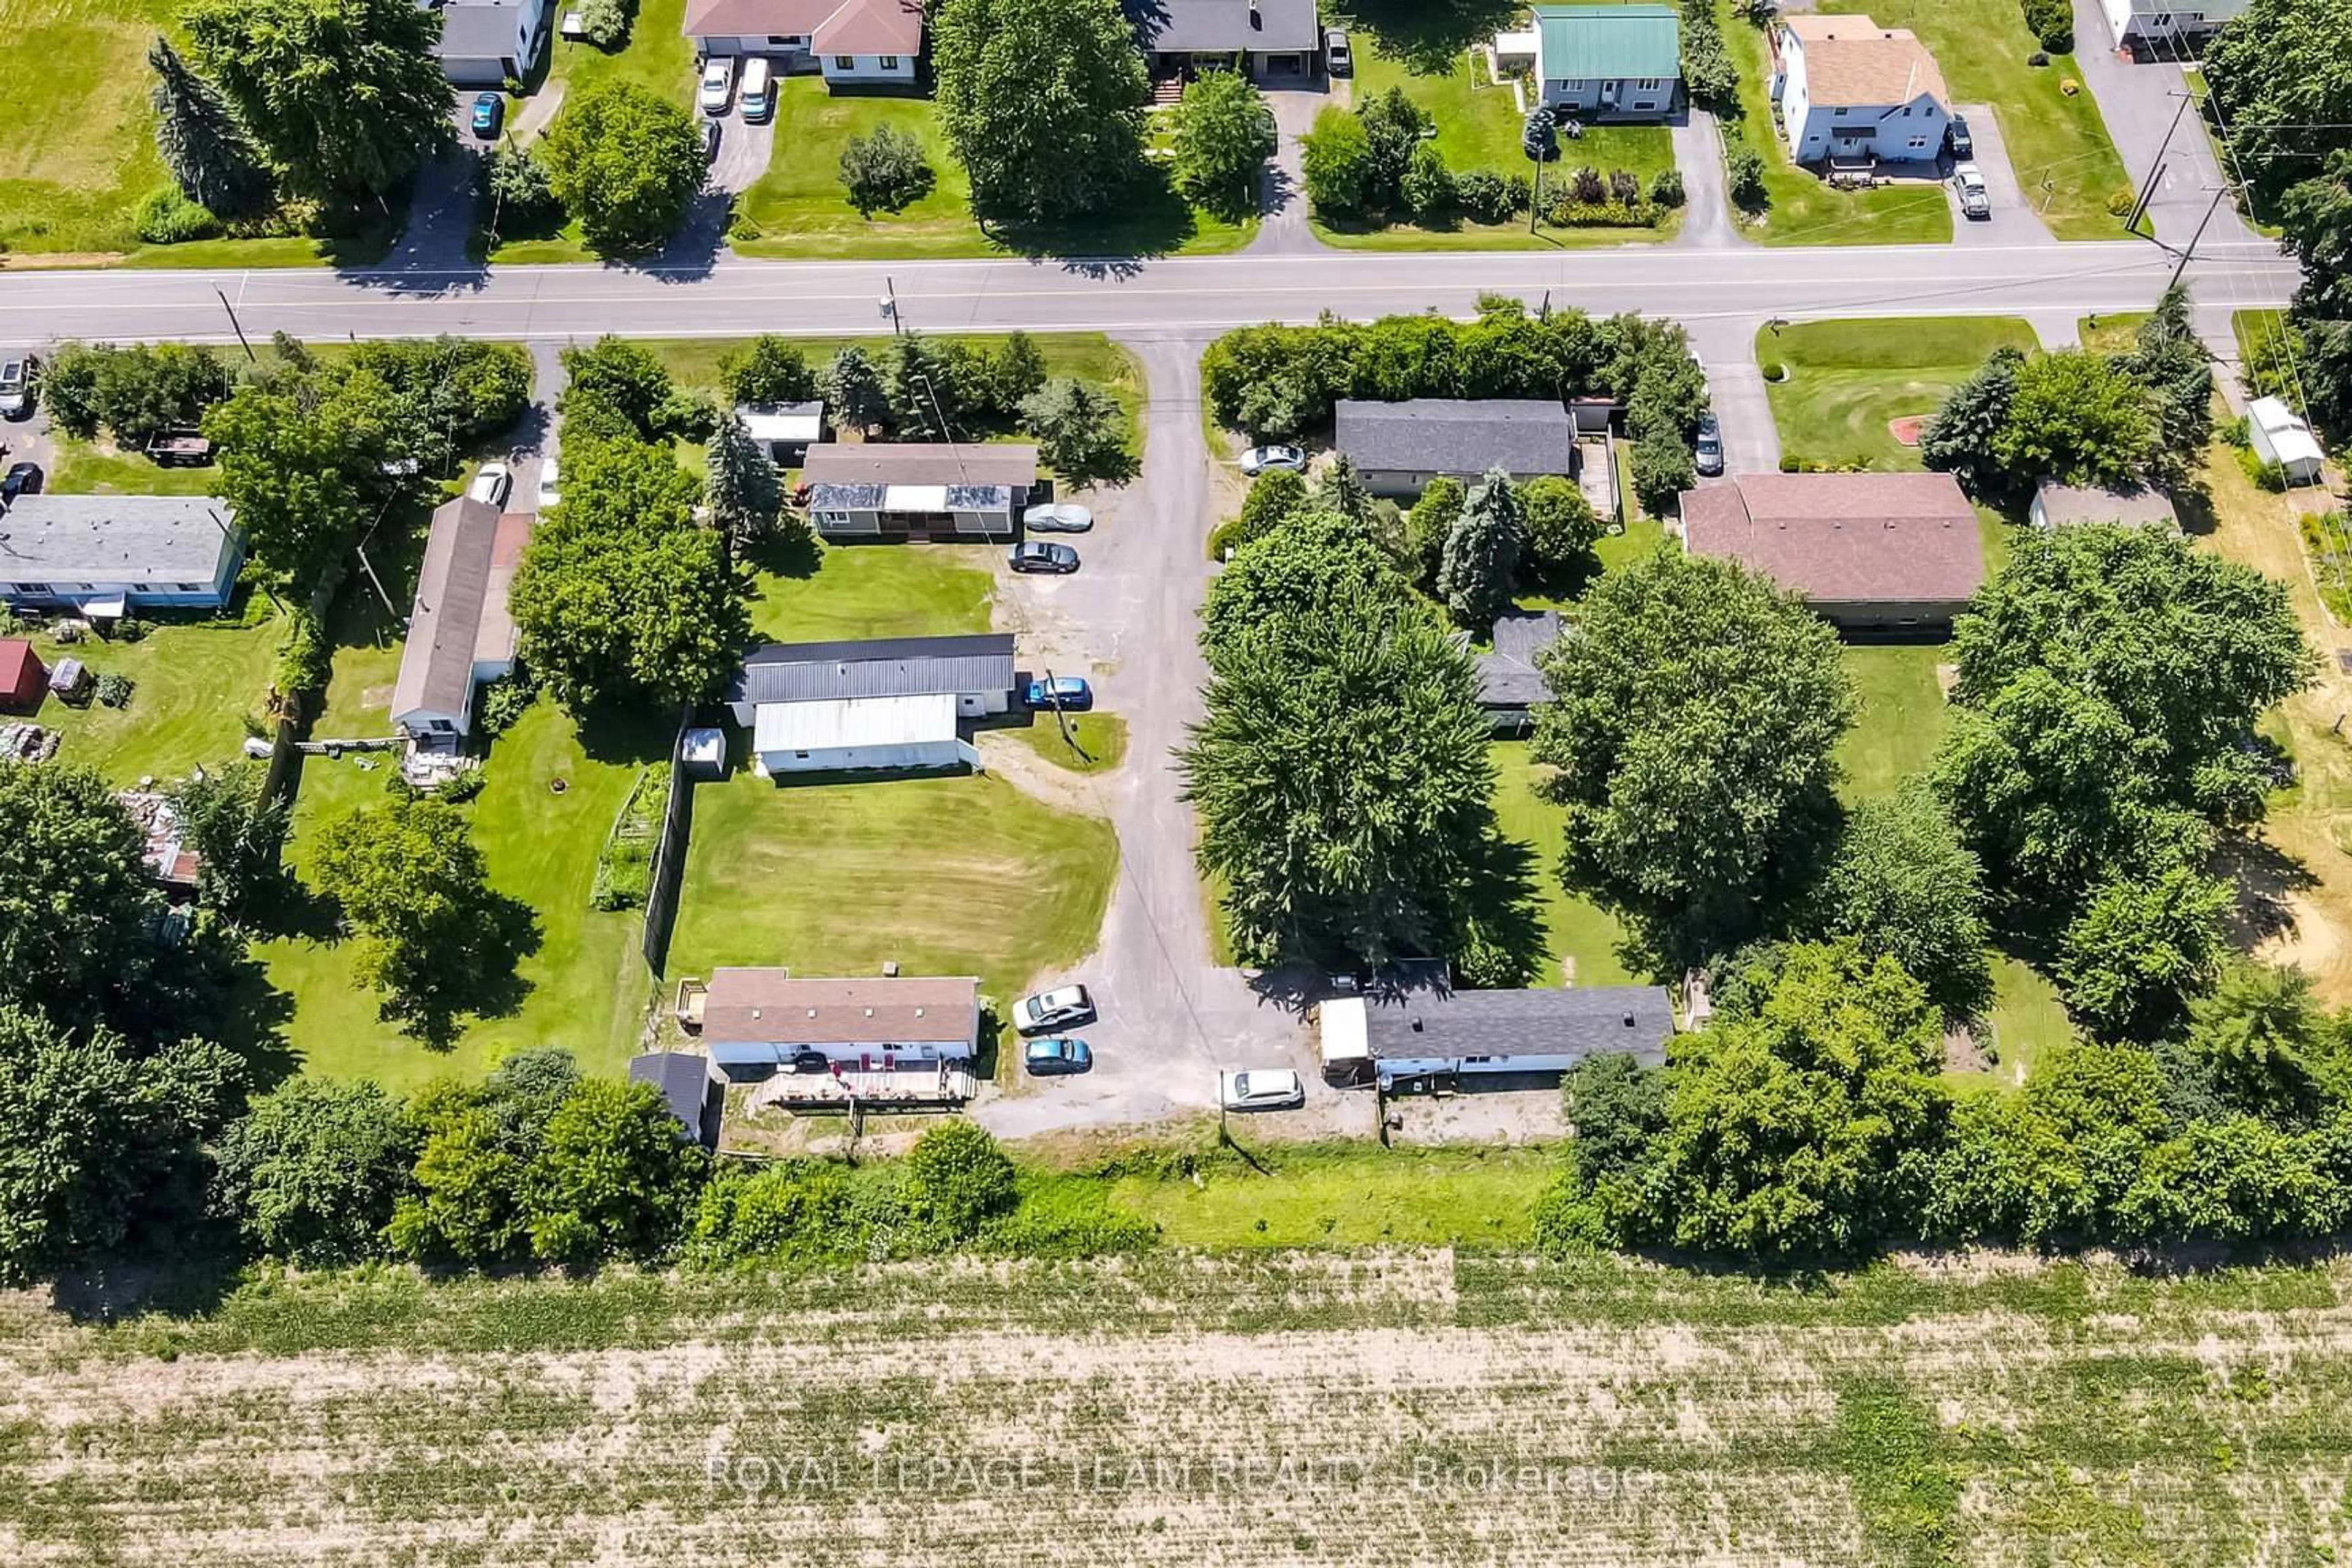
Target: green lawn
1581 937
657 56
871 591
1100 738
586 984
1804 210
1333 1196
2112 333
1478 127
2028 1020
2259 335
85 468
959 875
1848 379
194 683
1900 719
79 152
799 210
2057 142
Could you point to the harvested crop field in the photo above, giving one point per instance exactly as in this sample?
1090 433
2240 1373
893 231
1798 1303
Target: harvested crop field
1360 1408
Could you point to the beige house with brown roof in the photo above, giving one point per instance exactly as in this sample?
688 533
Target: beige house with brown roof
459 634
1876 552
1851 91
857 43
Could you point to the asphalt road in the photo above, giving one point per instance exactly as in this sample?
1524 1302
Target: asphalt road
732 297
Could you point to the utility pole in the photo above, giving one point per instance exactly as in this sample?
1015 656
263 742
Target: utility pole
2187 254
891 305
249 355
2155 173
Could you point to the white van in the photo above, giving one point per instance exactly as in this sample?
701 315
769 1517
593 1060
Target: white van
758 98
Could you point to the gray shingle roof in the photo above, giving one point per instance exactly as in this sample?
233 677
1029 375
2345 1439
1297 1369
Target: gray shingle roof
478 30
693 1096
1444 435
1508 677
1182 26
112 539
1581 1021
889 666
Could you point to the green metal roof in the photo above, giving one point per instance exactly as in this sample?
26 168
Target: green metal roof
1584 43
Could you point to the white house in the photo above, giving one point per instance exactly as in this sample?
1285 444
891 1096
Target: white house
1851 91
1421 1031
107 555
786 431
459 634
756 1021
916 489
1609 62
2279 436
2167 29
855 43
886 704
484 42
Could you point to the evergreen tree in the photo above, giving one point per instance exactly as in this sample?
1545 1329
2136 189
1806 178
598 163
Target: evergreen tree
924 384
1482 553
853 394
742 490
211 158
1342 491
1079 431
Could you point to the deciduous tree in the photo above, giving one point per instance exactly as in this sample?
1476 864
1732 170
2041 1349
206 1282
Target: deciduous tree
1561 529
1223 135
235 829
312 1172
1043 102
624 160
770 371
1695 731
1335 164
75 898
613 1177
2142 948
2078 418
434 938
1901 884
884 171
1309 561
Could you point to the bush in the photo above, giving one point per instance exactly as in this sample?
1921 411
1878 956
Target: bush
2265 475
607 21
1775 371
131 628
503 701
686 416
2120 202
1666 187
460 786
1789 464
2037 59
958 1177
1586 186
1484 196
515 193
1744 179
1624 186
884 171
2051 22
1427 188
167 218
1522 191
113 689
2235 433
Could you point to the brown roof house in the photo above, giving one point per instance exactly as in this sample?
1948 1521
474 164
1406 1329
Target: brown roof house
755 1022
459 634
1851 91
852 43
1866 550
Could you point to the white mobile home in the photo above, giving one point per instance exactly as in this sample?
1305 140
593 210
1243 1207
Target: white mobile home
459 634
2279 436
755 1022
1423 1031
889 703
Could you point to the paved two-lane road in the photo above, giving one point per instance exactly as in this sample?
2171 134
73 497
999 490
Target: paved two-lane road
1189 295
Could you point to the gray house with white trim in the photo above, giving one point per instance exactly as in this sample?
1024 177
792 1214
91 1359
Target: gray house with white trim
485 42
893 703
107 555
916 489
1399 448
1428 1031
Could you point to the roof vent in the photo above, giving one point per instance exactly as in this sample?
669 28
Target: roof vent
1416 1023
918 1012
869 1012
812 1012
1629 1020
755 1012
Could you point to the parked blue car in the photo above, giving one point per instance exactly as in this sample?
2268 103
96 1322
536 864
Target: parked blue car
1064 691
1053 1058
490 113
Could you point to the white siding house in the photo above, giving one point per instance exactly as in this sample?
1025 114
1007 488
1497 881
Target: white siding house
885 703
459 634
1853 91
2164 25
853 43
1391 1036
756 1021
1609 62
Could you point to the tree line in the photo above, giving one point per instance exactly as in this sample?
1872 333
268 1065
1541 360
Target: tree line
1280 381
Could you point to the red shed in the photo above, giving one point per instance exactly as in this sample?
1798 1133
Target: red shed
23 680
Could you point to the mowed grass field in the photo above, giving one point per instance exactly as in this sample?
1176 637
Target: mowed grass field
800 209
79 151
1394 1407
1847 381
194 682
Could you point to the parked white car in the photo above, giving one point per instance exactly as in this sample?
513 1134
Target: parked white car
1976 201
491 483
1058 517
718 85
1056 1009
1261 1088
1258 459
548 494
